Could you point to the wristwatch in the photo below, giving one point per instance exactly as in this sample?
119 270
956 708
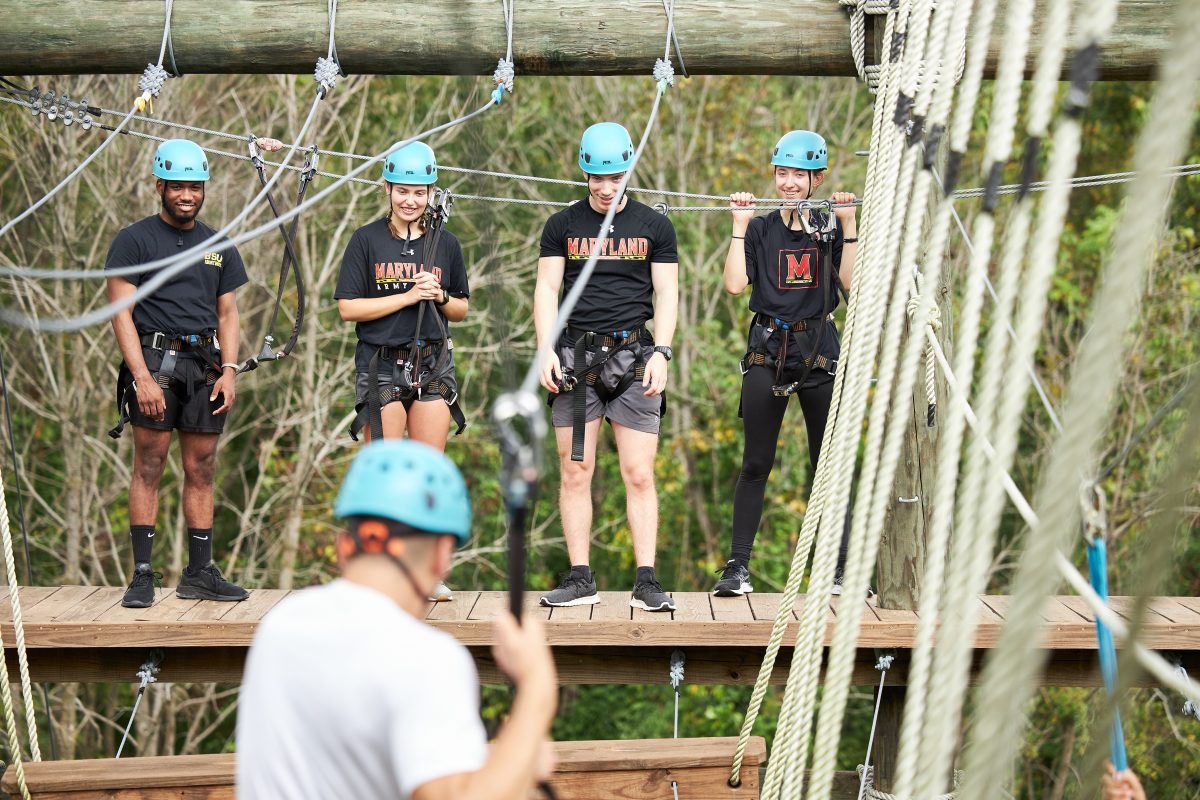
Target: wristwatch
667 352
445 298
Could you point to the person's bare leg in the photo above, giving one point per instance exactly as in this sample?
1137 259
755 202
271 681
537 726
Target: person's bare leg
150 448
429 423
637 451
199 452
394 418
575 491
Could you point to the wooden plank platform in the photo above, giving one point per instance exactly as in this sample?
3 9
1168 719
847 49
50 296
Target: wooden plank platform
598 770
82 633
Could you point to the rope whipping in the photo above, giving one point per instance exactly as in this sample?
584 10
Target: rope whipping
1009 675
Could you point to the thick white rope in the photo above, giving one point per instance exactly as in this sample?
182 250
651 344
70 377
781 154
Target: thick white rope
6 694
883 444
940 730
797 717
1010 674
812 516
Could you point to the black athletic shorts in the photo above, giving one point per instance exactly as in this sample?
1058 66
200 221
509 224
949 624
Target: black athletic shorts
187 405
445 375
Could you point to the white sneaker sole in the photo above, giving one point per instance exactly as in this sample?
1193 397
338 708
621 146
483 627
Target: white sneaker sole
635 603
590 600
745 588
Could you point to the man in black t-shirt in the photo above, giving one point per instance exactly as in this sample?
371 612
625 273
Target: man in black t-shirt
180 347
606 364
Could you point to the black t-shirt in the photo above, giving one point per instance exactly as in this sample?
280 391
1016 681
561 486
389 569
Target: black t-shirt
375 264
187 303
620 294
787 269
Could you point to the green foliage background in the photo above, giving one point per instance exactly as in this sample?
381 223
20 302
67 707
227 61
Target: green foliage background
286 449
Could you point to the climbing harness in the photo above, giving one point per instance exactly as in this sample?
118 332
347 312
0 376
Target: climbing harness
170 345
410 377
763 327
601 348
290 259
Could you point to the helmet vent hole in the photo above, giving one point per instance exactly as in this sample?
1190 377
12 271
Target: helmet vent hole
167 165
429 500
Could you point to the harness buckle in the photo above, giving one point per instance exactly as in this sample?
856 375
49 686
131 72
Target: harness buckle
567 382
784 391
157 340
192 339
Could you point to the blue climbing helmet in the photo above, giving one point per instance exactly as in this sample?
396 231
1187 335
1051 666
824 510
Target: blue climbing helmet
801 150
410 483
413 164
180 160
605 149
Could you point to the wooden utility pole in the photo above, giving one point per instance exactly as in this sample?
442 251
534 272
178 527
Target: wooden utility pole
565 37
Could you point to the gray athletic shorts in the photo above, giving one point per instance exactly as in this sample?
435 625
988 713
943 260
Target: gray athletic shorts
444 375
632 409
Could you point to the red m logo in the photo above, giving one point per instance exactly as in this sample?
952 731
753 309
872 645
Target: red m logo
799 270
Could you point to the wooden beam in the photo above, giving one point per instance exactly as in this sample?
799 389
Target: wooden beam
568 37
596 770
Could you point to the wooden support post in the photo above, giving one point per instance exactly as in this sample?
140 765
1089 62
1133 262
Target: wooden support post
902 550
568 37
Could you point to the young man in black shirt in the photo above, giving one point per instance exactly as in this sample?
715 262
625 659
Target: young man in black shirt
606 364
180 348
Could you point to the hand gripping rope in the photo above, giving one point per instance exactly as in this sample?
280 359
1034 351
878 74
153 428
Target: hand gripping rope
290 260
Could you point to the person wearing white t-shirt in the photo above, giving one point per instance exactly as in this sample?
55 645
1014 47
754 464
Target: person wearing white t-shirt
349 694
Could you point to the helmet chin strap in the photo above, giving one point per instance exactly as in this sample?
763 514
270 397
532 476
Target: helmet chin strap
796 211
412 580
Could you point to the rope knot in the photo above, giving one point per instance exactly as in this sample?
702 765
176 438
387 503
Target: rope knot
664 74
503 77
914 306
326 73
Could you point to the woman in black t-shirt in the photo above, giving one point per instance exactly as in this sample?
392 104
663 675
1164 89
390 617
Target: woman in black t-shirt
389 281
795 261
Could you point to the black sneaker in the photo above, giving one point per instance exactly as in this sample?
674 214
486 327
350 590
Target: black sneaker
574 590
206 583
735 580
140 593
649 595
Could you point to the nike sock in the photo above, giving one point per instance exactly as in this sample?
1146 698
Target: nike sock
645 574
143 542
199 547
582 570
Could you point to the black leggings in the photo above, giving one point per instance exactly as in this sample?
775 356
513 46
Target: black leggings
762 419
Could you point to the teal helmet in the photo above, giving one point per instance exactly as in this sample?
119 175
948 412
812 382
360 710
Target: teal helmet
410 483
605 149
412 164
801 150
180 160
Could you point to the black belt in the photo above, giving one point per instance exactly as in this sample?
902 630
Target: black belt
403 354
768 321
176 341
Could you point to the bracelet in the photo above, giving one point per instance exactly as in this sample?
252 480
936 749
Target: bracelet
738 237
231 365
851 240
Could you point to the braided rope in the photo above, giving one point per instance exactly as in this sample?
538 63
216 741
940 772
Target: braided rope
797 717
1009 677
869 792
975 550
816 503
6 695
884 440
968 95
957 611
